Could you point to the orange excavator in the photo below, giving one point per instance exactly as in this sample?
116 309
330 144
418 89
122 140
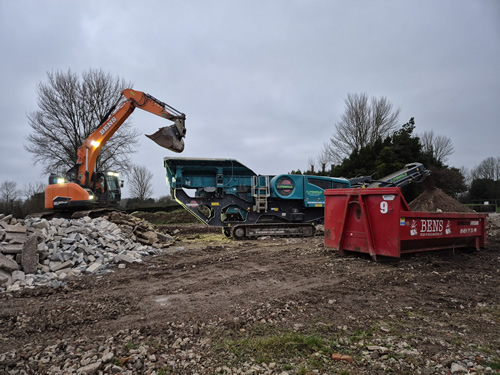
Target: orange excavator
83 187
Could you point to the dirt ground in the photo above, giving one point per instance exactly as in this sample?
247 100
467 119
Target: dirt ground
197 307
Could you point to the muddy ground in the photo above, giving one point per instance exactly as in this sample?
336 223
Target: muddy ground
273 306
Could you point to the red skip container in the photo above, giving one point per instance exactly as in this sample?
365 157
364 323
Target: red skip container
378 221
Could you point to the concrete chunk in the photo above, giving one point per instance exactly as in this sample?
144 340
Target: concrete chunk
16 229
15 237
6 219
44 224
11 248
68 241
18 276
5 278
94 267
8 264
56 266
30 257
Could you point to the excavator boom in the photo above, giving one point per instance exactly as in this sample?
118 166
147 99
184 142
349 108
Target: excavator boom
169 137
88 187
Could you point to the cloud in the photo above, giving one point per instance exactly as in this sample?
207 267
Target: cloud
262 82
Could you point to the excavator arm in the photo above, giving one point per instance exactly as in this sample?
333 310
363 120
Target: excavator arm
169 137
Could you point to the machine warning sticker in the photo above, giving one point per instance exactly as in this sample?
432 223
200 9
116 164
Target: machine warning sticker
192 204
388 197
402 221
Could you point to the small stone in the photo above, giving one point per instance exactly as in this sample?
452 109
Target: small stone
457 368
107 357
89 369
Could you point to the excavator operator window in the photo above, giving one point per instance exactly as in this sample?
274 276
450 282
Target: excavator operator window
100 185
113 183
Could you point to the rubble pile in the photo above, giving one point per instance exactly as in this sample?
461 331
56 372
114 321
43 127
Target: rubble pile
37 251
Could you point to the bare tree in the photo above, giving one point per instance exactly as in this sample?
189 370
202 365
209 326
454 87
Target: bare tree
363 122
69 111
310 161
488 169
323 160
139 182
439 146
9 194
33 188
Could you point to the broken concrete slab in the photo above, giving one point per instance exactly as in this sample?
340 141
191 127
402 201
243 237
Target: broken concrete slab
56 266
16 228
94 267
15 237
10 248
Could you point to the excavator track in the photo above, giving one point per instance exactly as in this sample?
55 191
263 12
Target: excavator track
66 214
252 231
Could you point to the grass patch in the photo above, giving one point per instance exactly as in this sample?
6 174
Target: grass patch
495 365
131 345
292 350
363 334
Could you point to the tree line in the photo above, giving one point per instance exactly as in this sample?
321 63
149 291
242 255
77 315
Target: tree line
368 139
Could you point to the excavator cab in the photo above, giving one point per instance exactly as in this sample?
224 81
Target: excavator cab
106 188
104 191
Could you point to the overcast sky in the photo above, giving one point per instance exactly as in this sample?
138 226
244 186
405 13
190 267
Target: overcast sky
262 82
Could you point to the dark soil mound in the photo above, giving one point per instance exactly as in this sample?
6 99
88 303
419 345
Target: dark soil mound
433 199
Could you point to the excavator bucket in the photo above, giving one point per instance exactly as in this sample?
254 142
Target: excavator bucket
169 138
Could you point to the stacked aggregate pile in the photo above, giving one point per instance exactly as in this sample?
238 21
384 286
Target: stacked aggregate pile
493 227
41 252
434 199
